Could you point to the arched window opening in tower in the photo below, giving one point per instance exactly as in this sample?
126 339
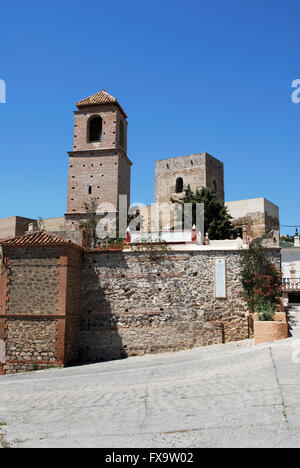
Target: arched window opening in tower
90 190
238 233
215 186
179 185
95 129
122 133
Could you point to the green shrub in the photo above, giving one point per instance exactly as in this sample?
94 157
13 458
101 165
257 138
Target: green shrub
261 280
266 312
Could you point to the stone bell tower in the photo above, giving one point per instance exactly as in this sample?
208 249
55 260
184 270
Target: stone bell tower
99 168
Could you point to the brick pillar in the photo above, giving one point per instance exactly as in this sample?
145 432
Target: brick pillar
4 279
2 338
62 281
61 308
60 343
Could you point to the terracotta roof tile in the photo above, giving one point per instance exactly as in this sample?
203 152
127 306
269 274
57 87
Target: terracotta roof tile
99 98
42 238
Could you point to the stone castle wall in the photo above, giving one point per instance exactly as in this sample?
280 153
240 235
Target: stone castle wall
32 281
13 226
133 304
196 170
29 343
257 215
93 306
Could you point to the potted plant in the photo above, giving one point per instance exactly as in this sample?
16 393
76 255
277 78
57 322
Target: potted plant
262 287
265 312
269 324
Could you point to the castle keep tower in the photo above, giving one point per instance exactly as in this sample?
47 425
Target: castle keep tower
172 176
98 165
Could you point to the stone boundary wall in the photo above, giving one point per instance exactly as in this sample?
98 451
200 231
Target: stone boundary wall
138 303
95 306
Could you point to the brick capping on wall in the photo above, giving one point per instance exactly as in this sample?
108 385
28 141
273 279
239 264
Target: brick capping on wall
36 316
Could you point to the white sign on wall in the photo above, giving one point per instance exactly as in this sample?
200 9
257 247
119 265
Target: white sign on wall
220 278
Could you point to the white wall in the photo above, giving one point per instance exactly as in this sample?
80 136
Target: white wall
242 208
290 258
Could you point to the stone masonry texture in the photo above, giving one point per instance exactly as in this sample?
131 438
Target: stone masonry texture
196 170
134 304
97 305
33 276
61 304
29 340
40 307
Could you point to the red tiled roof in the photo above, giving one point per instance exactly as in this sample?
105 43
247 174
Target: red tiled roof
42 238
99 98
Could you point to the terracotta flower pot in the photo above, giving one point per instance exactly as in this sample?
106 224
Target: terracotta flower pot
278 317
270 331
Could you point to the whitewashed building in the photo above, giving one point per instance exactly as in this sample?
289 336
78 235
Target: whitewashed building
290 264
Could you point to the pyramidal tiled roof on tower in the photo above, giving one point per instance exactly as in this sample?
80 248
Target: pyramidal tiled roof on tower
99 98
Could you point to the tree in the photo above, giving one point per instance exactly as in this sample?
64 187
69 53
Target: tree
92 220
287 238
217 220
112 237
261 280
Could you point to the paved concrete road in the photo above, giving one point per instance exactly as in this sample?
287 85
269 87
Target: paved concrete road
233 395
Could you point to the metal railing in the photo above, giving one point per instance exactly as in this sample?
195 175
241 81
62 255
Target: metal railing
291 284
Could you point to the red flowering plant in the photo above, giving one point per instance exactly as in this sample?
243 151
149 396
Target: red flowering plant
261 280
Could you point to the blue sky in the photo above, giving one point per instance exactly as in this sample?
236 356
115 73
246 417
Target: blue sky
192 76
